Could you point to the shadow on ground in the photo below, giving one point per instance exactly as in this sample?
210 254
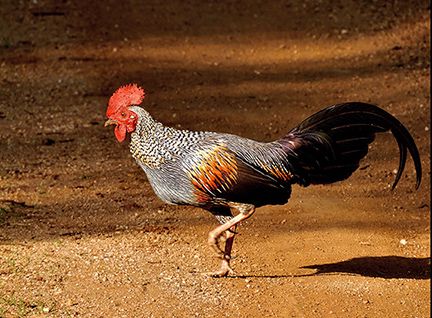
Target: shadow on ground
392 267
379 266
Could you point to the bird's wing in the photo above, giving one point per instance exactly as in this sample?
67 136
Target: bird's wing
219 173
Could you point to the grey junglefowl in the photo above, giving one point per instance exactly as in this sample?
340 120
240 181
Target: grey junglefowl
223 172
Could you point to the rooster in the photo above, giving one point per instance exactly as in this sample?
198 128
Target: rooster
223 173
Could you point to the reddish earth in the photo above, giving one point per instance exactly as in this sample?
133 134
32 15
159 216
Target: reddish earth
81 232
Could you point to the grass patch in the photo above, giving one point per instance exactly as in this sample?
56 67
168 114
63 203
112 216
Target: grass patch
19 307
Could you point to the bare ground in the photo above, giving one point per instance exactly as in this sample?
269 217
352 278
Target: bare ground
81 232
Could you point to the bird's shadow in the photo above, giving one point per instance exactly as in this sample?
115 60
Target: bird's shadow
371 266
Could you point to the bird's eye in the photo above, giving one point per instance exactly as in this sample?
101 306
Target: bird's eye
123 114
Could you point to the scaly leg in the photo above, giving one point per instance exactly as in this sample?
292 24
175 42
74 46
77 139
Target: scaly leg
246 211
225 268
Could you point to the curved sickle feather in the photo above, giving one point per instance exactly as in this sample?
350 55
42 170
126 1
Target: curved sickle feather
353 120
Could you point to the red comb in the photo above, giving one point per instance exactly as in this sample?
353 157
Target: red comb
123 97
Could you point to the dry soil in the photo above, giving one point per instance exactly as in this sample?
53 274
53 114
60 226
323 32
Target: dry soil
81 232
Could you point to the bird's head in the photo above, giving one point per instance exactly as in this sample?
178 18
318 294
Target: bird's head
118 112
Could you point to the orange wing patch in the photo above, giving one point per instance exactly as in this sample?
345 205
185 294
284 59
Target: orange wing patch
214 171
278 171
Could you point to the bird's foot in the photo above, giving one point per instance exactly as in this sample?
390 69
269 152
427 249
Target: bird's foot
213 241
224 271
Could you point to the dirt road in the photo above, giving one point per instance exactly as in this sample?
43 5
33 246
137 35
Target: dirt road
81 232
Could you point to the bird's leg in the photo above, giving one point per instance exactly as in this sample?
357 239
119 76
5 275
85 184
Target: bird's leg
225 264
246 210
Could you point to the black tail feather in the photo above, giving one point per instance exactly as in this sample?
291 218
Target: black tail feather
329 145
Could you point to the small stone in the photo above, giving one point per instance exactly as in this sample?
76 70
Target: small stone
403 242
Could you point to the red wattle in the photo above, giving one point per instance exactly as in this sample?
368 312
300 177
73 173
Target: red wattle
120 132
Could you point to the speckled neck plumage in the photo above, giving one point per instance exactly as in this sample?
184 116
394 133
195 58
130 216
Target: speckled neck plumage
152 143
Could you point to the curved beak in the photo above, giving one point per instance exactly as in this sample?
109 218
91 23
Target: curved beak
110 122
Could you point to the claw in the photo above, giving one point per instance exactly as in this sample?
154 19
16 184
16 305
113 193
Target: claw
221 273
232 231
